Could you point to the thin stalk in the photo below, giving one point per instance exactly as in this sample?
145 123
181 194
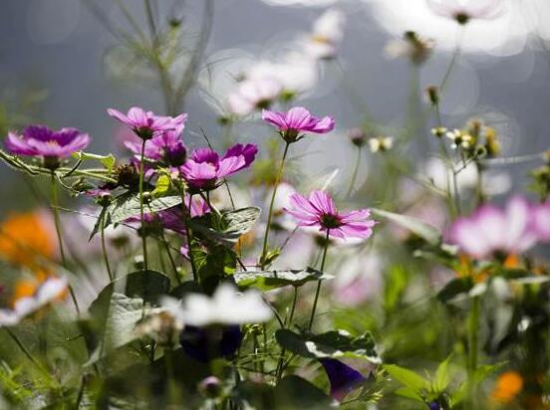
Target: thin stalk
187 216
171 258
280 366
319 282
272 202
454 59
104 250
141 209
25 351
355 172
57 222
473 330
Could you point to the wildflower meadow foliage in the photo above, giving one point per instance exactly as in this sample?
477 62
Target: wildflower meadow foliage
217 276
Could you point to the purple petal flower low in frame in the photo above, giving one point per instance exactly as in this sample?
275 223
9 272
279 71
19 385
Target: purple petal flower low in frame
205 168
41 141
492 231
343 379
296 121
146 124
319 211
465 10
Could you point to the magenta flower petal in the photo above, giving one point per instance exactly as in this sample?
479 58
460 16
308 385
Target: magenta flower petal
320 211
296 121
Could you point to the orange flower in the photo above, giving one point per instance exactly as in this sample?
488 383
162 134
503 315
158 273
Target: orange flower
27 239
508 386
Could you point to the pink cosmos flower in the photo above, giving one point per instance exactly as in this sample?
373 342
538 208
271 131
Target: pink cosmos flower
465 10
41 141
205 168
146 124
297 120
541 221
492 231
319 211
168 147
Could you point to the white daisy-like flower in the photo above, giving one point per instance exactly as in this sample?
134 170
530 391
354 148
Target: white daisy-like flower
49 291
227 306
380 144
253 94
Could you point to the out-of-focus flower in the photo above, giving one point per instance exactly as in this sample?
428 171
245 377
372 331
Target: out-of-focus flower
508 386
357 136
492 231
465 10
380 144
439 132
146 124
205 168
205 344
359 280
319 211
460 139
327 33
162 327
541 221
226 306
296 121
254 94
28 239
411 46
343 378
41 141
51 290
168 147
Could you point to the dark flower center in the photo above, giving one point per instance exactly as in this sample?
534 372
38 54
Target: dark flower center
290 135
462 17
330 221
145 133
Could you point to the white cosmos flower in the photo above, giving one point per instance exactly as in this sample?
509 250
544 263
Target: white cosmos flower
253 94
327 33
465 10
49 291
227 306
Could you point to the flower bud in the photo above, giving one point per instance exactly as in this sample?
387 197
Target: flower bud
433 94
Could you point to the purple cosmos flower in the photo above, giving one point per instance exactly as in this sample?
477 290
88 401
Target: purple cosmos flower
465 10
167 147
492 231
146 124
205 168
319 211
297 120
41 141
343 379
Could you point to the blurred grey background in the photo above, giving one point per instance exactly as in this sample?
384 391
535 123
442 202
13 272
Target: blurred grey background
58 52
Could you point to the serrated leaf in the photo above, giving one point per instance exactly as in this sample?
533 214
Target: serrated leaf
233 225
407 377
416 226
127 206
333 344
268 280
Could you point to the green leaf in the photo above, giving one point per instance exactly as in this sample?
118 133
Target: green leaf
214 263
416 226
409 393
127 206
454 288
268 280
233 225
162 187
333 344
294 392
108 161
442 376
407 377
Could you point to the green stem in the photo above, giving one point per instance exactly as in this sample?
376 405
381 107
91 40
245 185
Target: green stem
355 172
57 222
141 209
272 202
104 249
171 258
473 330
25 351
188 233
454 59
319 282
